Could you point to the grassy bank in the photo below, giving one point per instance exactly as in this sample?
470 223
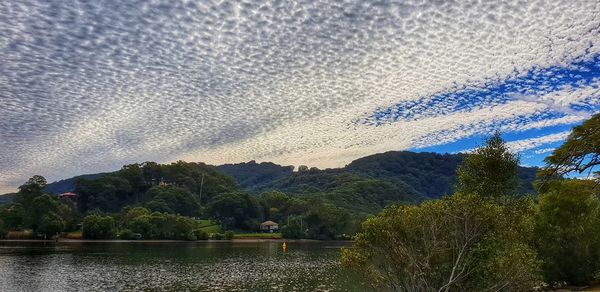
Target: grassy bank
209 226
257 236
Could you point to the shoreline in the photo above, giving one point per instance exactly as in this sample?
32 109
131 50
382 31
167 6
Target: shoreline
239 240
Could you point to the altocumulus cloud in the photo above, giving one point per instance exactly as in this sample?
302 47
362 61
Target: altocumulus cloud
89 86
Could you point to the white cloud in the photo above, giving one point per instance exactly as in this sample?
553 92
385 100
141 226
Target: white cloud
536 142
86 87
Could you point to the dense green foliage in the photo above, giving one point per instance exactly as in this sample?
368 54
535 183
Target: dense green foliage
294 228
33 209
172 199
413 175
459 243
236 211
51 224
490 170
366 185
359 194
13 216
254 176
97 226
158 225
192 184
425 175
567 231
326 221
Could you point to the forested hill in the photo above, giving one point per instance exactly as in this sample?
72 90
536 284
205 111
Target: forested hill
430 174
255 176
390 176
415 175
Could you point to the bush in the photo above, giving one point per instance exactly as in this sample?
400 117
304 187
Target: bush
294 229
461 242
127 234
97 226
51 224
191 236
567 232
228 235
201 234
218 236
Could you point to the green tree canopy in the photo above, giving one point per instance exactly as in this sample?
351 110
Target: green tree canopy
490 171
13 215
38 208
567 232
459 243
97 226
236 211
326 221
33 188
51 224
172 199
581 151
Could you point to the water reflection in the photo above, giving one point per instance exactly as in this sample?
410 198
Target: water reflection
173 267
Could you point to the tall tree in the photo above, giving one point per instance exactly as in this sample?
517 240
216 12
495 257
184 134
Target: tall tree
33 188
581 151
490 171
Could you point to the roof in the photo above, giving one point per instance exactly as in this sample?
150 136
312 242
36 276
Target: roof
268 223
68 194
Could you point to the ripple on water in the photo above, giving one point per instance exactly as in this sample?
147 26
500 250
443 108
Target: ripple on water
181 268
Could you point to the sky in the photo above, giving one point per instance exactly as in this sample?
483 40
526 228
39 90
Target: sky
89 86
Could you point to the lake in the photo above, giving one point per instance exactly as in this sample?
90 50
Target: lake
174 266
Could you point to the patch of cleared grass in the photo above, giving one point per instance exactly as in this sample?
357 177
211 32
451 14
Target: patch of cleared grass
209 226
205 222
212 229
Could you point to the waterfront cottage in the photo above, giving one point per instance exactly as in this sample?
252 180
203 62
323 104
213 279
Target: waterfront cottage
269 226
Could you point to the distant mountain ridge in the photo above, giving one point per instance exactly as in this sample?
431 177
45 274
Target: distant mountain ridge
418 174
405 175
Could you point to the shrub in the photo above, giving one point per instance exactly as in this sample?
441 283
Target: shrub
567 232
294 229
228 235
98 226
201 234
51 224
127 234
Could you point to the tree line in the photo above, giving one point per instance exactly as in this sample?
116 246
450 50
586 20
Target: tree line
173 196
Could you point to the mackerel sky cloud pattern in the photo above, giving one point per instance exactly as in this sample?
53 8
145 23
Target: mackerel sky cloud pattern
89 86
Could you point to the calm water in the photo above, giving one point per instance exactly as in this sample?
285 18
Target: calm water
173 267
